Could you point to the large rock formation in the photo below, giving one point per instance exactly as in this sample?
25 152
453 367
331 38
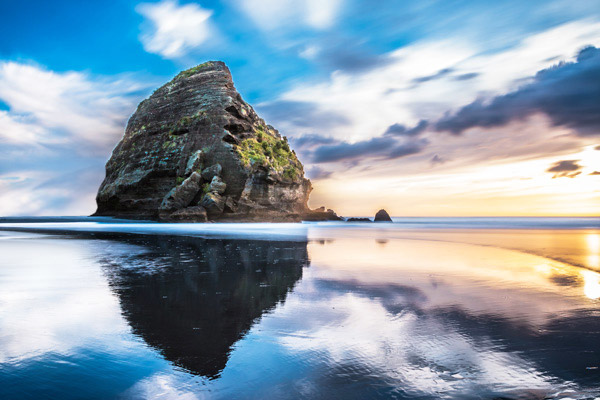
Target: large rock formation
194 150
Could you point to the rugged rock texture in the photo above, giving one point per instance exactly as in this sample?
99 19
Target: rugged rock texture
195 144
382 216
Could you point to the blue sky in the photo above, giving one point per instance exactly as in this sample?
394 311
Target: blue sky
346 79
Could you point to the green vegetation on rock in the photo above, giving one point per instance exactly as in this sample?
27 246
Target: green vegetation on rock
194 70
291 173
205 188
269 151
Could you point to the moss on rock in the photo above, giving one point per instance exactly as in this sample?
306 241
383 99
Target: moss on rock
265 149
194 70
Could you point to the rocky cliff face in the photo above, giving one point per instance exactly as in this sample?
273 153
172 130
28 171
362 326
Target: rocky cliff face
194 150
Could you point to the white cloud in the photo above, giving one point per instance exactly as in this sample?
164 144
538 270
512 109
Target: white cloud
272 14
56 136
309 52
424 80
321 14
16 199
174 29
49 190
47 107
390 94
18 130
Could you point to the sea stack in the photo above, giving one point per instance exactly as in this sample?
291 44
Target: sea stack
382 216
196 151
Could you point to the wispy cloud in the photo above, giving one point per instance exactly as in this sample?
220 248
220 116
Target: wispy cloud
351 109
436 160
172 30
316 173
370 101
50 108
54 191
393 97
56 134
16 129
303 114
312 140
402 130
568 93
272 14
384 147
565 169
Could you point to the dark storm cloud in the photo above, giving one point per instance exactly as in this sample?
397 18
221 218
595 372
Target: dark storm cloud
383 146
402 130
302 114
569 93
565 169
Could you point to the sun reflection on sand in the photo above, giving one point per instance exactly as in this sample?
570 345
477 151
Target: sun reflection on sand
593 242
593 245
591 287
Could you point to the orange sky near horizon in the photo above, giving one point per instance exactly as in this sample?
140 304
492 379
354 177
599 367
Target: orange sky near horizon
505 188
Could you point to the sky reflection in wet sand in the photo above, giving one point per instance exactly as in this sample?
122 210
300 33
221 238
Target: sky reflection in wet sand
367 317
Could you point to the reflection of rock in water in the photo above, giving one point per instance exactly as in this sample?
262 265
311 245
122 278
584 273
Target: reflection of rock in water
192 298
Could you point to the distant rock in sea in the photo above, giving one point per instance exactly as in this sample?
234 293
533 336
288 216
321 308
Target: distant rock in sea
382 216
196 151
358 219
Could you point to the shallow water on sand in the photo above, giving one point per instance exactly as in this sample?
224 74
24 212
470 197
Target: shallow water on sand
102 309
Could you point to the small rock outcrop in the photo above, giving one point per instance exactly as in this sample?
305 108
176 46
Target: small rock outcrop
358 219
382 216
321 214
195 150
